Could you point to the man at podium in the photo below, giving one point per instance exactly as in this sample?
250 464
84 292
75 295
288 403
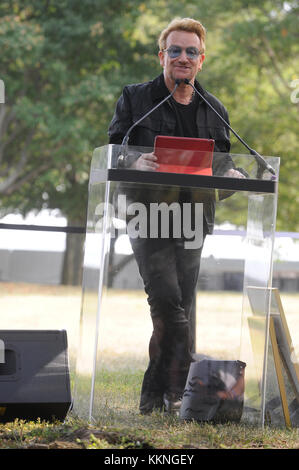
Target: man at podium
169 270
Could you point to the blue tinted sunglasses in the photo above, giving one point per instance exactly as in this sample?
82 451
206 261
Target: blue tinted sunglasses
176 51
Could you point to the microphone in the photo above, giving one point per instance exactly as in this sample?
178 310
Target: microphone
260 160
178 81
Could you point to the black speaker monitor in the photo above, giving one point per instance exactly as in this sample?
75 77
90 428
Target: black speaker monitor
34 377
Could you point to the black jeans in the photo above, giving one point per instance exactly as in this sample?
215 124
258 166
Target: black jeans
169 272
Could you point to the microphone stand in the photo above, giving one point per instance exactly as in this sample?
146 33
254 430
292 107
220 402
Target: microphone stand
260 160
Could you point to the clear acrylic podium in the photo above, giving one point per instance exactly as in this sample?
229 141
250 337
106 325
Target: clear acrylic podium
229 323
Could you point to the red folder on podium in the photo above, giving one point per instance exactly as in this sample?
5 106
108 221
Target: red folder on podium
184 155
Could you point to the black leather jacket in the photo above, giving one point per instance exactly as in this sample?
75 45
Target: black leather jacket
136 100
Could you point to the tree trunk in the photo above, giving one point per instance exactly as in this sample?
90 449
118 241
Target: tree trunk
73 260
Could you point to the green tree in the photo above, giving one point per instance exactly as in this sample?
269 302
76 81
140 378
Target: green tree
259 52
63 63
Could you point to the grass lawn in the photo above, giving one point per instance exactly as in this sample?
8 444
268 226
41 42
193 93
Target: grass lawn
122 356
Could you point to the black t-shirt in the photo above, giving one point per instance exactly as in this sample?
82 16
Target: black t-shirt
186 127
186 118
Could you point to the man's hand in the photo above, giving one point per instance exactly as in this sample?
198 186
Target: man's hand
234 174
146 162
